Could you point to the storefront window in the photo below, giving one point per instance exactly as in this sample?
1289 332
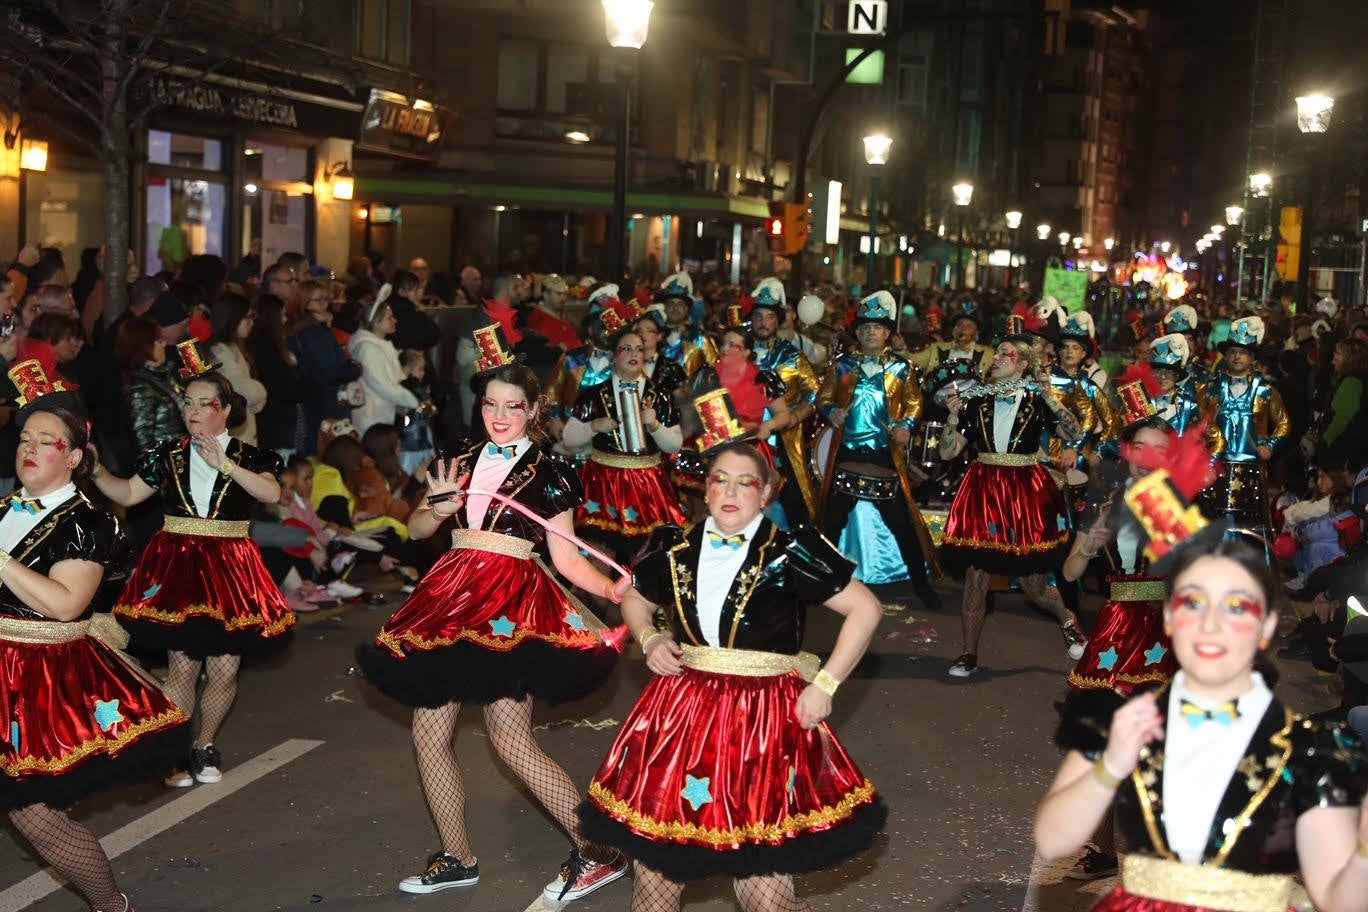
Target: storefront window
186 214
65 210
274 206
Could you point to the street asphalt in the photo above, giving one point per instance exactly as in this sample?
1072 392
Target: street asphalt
320 809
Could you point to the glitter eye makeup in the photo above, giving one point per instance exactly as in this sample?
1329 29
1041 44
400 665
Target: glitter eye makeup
1244 606
748 481
1185 600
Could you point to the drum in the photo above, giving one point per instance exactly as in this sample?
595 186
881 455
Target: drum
927 455
948 378
1076 492
865 481
819 451
1244 491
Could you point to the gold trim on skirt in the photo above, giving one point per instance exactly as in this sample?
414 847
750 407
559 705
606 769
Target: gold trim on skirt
210 528
1138 591
749 663
496 542
1205 886
1009 459
625 460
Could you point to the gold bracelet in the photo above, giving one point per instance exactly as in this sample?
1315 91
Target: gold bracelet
5 559
1104 775
826 682
1361 850
647 638
227 467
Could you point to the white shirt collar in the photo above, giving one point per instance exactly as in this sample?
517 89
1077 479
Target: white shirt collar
710 525
52 498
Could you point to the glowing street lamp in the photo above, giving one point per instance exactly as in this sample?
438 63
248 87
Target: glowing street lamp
1013 217
1260 184
1109 243
1043 231
1313 113
625 23
962 193
1313 116
1218 230
1233 215
876 149
1064 238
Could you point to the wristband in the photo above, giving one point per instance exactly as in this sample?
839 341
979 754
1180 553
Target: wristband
5 559
1361 850
826 682
227 467
1088 554
1103 775
647 636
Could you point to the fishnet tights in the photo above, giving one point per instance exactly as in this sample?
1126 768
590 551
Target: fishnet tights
73 851
974 607
509 723
652 891
220 690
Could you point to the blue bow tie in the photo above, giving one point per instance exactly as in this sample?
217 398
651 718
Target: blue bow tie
722 541
1225 714
627 384
1006 400
29 505
507 452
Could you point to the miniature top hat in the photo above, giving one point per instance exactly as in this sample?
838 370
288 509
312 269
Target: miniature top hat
679 285
617 315
736 319
880 308
1016 325
1080 326
1135 404
1246 332
493 348
718 415
770 293
1171 353
1181 319
193 363
934 318
35 387
1163 500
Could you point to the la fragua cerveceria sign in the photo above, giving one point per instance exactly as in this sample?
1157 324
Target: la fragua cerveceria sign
235 105
395 124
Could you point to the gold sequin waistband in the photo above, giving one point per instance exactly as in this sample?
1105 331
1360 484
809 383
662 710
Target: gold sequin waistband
625 461
1138 591
1009 459
1205 886
101 626
495 542
212 528
749 663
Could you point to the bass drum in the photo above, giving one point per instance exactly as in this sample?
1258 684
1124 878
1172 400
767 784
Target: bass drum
819 452
948 378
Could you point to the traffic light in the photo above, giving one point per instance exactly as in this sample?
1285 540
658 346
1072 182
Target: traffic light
774 228
797 227
1289 247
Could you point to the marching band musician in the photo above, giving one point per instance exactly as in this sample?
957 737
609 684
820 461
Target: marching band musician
798 495
685 344
1249 424
1076 389
1008 516
965 325
1169 362
582 367
873 400
1183 320
627 487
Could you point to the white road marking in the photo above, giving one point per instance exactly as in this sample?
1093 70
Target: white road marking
33 888
542 904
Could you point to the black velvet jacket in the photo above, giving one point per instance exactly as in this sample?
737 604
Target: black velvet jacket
76 530
166 467
764 605
1033 421
596 402
540 481
1290 766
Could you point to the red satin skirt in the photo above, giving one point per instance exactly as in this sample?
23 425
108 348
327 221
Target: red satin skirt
711 774
483 626
1007 519
1128 646
1119 900
631 503
204 596
78 717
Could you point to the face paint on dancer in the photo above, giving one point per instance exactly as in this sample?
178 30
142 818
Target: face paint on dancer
1008 363
203 412
629 358
44 460
505 412
1218 615
736 492
733 347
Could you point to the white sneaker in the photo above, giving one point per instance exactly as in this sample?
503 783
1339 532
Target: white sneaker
344 589
180 779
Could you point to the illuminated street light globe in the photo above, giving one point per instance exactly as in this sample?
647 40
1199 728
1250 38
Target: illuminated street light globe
1202 245
963 192
1064 238
1109 243
1043 231
1218 230
1078 242
627 21
1233 215
1013 217
1260 183
876 148
1313 113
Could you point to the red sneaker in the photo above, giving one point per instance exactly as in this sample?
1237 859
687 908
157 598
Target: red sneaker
578 877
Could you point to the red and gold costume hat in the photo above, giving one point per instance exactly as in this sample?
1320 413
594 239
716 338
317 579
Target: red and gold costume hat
493 349
37 390
193 363
721 425
1164 500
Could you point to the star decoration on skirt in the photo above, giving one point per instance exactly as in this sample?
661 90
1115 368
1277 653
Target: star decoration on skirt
592 506
575 620
612 511
793 781
1062 523
630 514
151 590
697 792
992 528
503 626
14 735
107 714
1107 660
1155 654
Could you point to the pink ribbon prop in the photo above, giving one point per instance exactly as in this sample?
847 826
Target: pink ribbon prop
551 527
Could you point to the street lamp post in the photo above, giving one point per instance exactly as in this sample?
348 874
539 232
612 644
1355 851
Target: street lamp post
626 23
876 148
1313 116
963 193
1234 216
1013 217
1261 187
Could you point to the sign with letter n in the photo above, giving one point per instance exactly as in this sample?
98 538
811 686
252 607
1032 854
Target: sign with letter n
867 17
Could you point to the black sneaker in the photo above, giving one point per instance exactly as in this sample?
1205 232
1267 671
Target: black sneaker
964 666
443 872
206 764
1094 865
1073 639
